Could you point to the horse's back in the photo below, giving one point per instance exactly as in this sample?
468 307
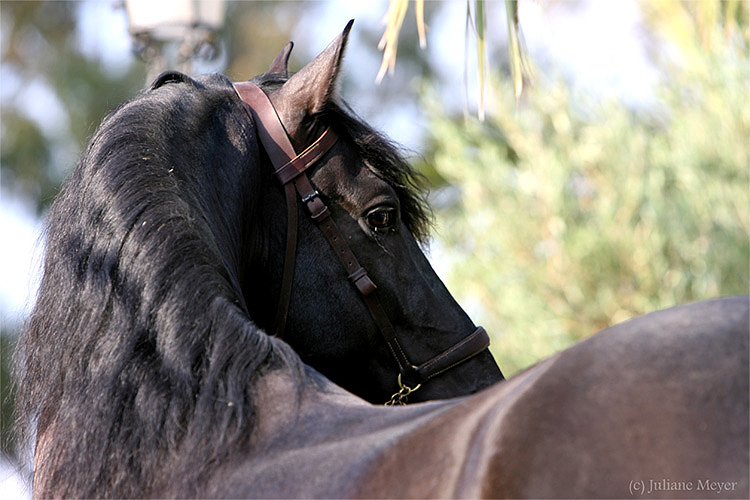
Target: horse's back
653 407
656 407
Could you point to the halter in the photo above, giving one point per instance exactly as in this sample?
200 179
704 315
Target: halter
290 171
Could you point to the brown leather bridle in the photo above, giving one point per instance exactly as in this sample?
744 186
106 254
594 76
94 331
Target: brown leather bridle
290 171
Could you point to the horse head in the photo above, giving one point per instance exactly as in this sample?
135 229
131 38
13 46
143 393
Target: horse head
375 202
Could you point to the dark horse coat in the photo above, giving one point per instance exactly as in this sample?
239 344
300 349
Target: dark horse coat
145 369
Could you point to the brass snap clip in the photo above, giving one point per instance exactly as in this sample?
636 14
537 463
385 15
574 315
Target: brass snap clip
401 397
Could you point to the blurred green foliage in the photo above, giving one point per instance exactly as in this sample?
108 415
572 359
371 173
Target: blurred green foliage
565 214
41 48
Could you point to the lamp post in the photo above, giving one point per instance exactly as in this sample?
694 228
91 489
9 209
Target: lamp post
171 34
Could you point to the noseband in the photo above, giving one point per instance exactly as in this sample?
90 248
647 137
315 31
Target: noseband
290 171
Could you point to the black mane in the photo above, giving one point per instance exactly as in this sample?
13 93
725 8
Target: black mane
137 334
139 349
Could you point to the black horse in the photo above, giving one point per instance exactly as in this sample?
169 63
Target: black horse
146 369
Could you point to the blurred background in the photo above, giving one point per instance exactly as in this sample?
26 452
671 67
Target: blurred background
618 182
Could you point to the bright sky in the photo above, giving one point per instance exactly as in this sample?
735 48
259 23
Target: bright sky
11 485
20 229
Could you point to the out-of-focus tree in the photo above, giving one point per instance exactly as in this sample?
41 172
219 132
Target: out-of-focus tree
41 50
476 25
569 215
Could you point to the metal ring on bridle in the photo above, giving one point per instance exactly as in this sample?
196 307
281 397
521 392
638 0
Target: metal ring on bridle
401 397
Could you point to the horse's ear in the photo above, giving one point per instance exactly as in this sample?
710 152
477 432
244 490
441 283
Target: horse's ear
307 91
280 65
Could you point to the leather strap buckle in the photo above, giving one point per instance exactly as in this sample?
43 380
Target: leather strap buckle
310 197
362 281
320 214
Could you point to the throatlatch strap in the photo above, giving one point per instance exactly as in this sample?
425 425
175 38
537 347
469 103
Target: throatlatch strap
279 149
290 257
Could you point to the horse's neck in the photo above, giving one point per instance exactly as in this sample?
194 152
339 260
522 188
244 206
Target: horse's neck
283 403
326 442
317 430
286 406
307 429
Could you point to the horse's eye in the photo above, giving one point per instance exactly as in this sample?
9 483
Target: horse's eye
382 219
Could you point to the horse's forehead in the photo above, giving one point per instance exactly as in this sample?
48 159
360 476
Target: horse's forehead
350 179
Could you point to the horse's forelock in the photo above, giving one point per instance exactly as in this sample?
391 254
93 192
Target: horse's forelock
386 159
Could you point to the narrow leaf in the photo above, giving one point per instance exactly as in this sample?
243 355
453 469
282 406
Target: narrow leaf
514 46
389 42
419 4
481 52
469 24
